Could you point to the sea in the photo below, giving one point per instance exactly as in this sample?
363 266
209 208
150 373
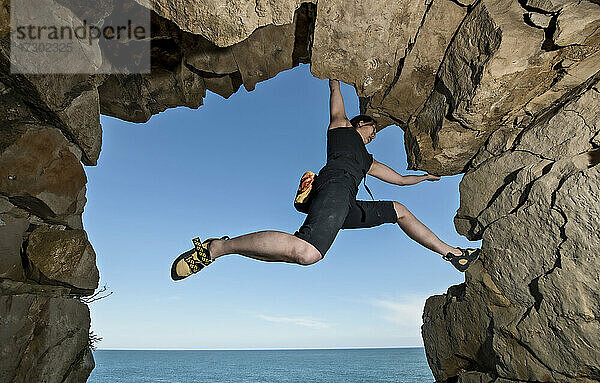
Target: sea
364 365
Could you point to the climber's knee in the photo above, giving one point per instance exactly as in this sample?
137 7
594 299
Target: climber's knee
303 253
401 210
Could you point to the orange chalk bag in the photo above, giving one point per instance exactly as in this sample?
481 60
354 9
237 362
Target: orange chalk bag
303 195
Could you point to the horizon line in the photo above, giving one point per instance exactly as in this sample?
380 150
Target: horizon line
256 349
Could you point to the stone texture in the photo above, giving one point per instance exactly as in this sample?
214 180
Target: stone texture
13 224
44 339
94 12
449 322
52 13
68 102
492 52
576 23
137 97
265 53
39 173
405 96
546 6
475 377
540 20
186 65
503 90
64 256
497 70
4 17
539 146
532 199
362 42
75 101
224 24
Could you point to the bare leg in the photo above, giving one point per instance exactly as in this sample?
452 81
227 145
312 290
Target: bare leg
420 233
269 246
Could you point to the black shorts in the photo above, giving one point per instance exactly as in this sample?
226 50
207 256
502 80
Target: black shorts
334 206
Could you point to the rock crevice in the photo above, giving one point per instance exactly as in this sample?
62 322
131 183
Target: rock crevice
504 91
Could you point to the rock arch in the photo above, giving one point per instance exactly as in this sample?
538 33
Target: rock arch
504 91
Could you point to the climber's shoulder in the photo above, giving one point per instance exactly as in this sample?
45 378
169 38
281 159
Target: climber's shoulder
339 123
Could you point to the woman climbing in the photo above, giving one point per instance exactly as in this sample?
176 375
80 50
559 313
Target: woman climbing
333 206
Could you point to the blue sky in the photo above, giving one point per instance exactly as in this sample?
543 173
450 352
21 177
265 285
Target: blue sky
232 167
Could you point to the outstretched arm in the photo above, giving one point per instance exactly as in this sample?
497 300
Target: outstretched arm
337 112
389 175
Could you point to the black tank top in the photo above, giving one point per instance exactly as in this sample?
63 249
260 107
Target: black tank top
346 151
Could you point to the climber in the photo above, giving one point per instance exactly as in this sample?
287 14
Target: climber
332 206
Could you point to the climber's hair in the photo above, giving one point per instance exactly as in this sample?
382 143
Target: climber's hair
362 118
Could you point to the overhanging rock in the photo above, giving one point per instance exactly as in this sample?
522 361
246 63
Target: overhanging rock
504 91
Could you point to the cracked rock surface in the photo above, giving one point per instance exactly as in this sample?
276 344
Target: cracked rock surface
44 338
504 91
533 299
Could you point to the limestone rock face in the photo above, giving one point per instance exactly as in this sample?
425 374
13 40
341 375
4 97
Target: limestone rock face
49 125
534 298
224 24
67 102
496 71
44 339
75 101
504 91
65 256
4 17
40 173
363 42
407 94
185 66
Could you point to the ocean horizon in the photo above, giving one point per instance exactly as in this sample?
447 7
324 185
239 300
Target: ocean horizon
336 365
256 349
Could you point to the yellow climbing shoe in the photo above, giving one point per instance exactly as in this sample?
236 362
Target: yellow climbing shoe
192 261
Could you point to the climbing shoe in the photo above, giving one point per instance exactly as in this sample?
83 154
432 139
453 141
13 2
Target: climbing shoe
193 260
463 261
